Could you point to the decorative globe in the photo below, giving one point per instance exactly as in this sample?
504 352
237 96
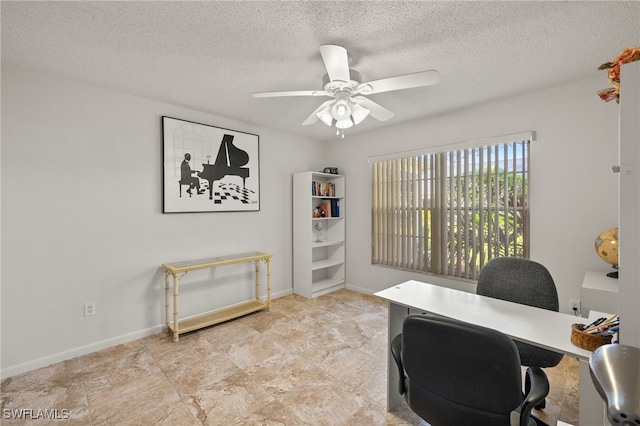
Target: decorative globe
606 246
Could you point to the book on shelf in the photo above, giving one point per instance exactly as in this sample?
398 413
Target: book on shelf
323 189
326 209
335 207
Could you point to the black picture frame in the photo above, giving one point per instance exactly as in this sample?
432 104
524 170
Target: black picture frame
208 169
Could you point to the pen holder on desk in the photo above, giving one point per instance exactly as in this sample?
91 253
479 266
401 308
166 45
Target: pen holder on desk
587 341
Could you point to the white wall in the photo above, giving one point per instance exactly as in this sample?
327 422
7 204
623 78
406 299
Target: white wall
81 205
573 191
82 221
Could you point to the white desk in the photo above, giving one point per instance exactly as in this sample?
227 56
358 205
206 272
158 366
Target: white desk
539 327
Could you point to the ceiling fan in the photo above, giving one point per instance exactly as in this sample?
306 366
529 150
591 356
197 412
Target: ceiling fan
349 107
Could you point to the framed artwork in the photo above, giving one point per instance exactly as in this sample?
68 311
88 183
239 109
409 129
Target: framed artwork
208 168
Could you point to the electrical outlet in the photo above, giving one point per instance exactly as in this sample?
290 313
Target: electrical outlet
575 306
89 309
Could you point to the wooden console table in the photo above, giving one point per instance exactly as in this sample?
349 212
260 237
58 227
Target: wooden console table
179 269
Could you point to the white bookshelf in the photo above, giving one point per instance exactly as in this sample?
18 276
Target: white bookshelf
318 266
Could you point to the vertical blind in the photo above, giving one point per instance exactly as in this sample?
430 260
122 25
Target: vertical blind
449 213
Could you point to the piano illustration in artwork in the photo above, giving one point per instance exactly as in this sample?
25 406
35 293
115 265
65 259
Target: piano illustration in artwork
229 161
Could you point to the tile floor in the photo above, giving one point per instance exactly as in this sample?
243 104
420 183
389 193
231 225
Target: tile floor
306 362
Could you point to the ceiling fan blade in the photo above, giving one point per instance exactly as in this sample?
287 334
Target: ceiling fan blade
407 81
290 93
336 61
313 117
375 110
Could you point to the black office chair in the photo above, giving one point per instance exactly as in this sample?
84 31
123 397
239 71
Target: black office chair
528 283
453 373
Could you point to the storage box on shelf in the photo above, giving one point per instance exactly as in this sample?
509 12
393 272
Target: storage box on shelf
318 233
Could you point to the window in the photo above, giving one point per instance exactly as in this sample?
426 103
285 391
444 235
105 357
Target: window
449 213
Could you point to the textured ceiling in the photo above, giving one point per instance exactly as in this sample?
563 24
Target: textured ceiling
210 56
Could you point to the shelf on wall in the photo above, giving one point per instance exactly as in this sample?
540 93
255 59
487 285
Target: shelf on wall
326 243
325 263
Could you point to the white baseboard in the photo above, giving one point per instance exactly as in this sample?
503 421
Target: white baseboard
359 289
79 351
281 293
93 347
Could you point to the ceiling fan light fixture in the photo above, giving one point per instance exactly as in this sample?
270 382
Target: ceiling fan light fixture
359 114
325 116
344 124
341 110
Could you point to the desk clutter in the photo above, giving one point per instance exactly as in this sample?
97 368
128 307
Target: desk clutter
595 334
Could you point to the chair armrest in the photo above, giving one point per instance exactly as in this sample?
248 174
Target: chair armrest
396 351
539 387
538 384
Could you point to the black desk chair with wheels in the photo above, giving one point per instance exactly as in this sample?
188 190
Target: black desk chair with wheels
529 283
453 373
